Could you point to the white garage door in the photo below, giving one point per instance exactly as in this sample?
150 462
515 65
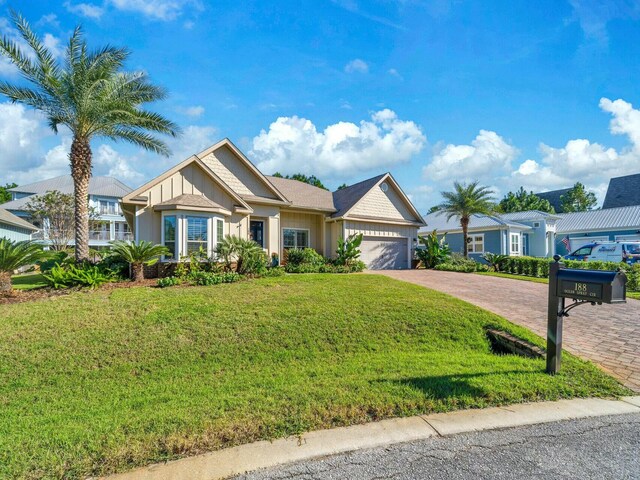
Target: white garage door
380 253
627 238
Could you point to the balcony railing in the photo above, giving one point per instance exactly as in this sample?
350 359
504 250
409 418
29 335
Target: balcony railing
95 235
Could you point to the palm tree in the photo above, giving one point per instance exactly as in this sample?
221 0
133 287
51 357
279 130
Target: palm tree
138 255
89 93
464 201
14 255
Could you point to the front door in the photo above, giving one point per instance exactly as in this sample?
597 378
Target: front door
256 232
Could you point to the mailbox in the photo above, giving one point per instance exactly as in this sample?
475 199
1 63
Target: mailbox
592 285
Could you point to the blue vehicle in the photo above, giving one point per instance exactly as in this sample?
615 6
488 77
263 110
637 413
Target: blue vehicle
627 252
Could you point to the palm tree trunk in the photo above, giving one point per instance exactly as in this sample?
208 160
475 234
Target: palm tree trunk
138 271
5 282
80 158
465 227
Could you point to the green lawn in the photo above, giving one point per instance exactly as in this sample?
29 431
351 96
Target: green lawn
635 295
93 383
28 281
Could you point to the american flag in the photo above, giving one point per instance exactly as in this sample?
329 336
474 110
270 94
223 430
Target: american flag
567 243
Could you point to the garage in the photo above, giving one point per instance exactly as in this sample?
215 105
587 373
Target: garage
380 253
577 242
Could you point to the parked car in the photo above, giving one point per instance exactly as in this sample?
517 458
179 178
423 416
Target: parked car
628 252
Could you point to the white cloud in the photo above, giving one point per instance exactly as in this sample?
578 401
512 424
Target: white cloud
593 17
294 144
394 73
193 111
487 154
53 44
107 161
49 19
85 9
356 66
157 9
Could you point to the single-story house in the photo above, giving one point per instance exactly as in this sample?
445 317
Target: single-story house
606 225
15 228
520 233
538 234
219 192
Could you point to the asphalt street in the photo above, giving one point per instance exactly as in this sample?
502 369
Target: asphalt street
593 448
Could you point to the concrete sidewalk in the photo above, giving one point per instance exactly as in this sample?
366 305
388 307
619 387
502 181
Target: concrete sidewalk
244 458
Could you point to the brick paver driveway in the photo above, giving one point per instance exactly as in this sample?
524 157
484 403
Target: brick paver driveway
608 335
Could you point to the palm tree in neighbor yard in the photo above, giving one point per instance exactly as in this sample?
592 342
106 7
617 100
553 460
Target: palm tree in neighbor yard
89 93
464 201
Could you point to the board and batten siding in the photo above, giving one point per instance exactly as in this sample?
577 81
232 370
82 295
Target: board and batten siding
13 233
308 221
377 203
235 173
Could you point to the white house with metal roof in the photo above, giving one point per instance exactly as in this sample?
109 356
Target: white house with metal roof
104 197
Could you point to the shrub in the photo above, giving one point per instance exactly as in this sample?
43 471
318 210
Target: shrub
348 250
138 255
274 272
168 282
83 275
470 267
249 257
62 257
299 256
208 278
14 255
434 252
494 260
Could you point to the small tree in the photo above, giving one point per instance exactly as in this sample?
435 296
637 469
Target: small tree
14 255
5 195
578 199
522 201
463 202
349 250
54 212
138 255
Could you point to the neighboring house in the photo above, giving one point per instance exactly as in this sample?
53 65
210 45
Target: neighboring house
486 233
607 225
538 234
104 196
15 228
623 192
554 198
219 192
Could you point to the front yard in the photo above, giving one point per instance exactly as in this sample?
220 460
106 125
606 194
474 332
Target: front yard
93 383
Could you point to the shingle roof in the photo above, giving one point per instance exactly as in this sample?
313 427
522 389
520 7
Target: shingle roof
440 223
106 186
527 215
11 219
623 192
553 197
346 198
302 194
16 205
606 219
189 200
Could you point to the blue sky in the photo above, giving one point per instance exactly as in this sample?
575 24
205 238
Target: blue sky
540 94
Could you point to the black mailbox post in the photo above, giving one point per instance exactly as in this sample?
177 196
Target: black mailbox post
582 286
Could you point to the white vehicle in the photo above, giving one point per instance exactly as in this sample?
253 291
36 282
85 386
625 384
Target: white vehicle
628 252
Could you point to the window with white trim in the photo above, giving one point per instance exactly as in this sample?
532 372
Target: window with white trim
219 230
170 233
197 234
295 238
476 243
515 244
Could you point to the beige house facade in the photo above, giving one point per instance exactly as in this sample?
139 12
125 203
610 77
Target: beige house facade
219 192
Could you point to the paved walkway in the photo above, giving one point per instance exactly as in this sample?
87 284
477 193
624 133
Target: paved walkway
608 335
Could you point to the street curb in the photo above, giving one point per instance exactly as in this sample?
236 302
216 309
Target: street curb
237 460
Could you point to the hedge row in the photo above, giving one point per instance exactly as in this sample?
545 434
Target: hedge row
539 267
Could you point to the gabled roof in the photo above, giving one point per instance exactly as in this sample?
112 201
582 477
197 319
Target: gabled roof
440 223
623 192
303 195
346 198
101 186
528 215
10 219
191 201
622 218
135 195
553 197
225 142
